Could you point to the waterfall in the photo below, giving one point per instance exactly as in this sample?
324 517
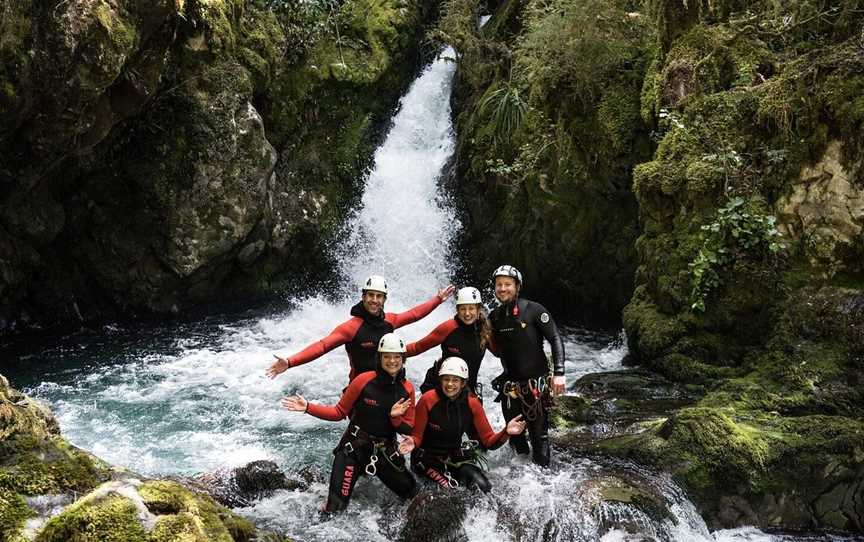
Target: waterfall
192 398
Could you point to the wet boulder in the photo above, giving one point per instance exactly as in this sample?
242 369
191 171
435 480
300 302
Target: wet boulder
436 515
240 486
615 402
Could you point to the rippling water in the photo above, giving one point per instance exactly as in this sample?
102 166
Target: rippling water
188 398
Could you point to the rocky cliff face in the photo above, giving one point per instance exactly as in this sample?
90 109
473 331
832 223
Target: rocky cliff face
161 155
745 222
750 278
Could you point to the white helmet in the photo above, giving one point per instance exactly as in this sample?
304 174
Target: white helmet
391 342
454 366
376 283
468 296
508 271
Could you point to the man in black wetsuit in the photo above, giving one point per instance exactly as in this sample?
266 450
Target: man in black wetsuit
518 329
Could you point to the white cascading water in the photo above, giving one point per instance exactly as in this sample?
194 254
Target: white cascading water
202 401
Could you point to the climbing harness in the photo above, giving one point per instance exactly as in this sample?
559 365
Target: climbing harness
380 448
537 389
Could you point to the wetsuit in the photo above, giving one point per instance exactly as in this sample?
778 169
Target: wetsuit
369 443
437 434
361 334
518 330
456 339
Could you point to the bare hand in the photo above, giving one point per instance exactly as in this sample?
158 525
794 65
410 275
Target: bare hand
446 292
400 407
558 383
277 368
406 446
295 403
516 426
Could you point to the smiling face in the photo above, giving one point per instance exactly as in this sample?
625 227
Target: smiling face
506 289
373 301
452 385
391 362
467 313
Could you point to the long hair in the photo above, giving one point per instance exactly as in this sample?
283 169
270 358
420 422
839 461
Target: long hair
482 325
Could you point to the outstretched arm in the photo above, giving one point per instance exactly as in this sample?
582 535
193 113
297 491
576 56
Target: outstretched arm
490 439
434 338
346 402
339 336
412 315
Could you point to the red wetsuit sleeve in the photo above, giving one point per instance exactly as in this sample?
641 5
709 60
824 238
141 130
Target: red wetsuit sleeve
412 315
343 333
405 423
434 338
427 401
346 402
488 437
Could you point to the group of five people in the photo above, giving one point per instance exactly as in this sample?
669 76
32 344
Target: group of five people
380 402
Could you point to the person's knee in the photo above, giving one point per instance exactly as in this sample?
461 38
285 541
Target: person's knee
482 483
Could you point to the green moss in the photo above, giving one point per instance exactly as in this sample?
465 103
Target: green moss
13 513
108 519
649 332
121 34
618 114
715 448
569 411
649 100
215 522
178 527
58 468
681 368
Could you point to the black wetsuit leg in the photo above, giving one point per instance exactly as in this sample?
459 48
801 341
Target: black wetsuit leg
538 432
400 482
343 477
472 477
536 429
512 408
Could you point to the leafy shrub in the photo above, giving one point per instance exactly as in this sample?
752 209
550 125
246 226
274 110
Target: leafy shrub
735 232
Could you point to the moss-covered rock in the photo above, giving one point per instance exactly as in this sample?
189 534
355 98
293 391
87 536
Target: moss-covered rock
147 182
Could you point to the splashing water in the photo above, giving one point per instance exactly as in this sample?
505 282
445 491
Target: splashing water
193 397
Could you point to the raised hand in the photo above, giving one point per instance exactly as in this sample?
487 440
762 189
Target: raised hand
295 403
446 292
400 407
516 426
558 383
277 368
406 446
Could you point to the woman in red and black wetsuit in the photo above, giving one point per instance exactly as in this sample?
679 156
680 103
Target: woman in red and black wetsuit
444 414
466 335
361 333
380 404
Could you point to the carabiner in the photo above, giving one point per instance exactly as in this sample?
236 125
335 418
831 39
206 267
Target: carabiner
452 482
371 469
